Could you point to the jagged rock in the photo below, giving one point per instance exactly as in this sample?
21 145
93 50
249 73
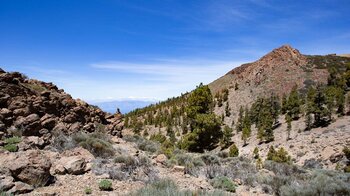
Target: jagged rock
336 157
90 127
45 94
21 112
29 125
72 165
5 112
60 127
70 118
20 188
30 105
75 127
6 182
31 167
16 104
48 121
31 142
4 99
75 161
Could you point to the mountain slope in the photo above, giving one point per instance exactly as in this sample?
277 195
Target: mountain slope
275 73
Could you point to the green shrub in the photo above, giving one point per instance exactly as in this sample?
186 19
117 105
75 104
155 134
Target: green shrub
347 169
88 191
13 140
224 183
126 159
11 147
105 185
96 143
233 151
280 156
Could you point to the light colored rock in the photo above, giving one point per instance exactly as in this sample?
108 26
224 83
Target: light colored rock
178 168
31 167
161 158
20 188
6 183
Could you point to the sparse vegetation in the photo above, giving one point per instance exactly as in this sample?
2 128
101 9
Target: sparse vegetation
105 185
88 191
97 143
223 183
11 143
233 151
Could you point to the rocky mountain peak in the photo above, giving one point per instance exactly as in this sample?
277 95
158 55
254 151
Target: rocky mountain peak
285 52
284 55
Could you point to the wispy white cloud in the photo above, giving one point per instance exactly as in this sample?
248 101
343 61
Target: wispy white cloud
165 78
172 70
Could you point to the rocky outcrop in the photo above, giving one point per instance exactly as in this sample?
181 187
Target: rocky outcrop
34 108
76 161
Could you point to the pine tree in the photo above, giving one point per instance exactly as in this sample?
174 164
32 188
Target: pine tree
245 135
308 122
289 126
227 135
260 135
239 126
293 104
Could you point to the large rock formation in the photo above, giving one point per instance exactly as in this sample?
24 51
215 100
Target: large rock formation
34 108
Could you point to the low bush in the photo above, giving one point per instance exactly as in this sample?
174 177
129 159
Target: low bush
11 147
233 151
88 191
13 140
105 185
320 182
167 187
223 183
280 156
96 143
210 159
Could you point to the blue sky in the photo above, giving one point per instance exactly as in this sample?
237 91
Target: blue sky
155 49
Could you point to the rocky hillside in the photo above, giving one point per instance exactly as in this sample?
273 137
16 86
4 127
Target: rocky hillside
275 73
30 107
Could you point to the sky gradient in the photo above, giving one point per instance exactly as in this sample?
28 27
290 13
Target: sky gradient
101 50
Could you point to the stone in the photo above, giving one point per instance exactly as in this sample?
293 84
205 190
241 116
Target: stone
16 104
178 168
32 118
21 111
45 94
75 165
31 142
21 188
5 112
31 167
60 127
6 183
161 158
49 123
76 161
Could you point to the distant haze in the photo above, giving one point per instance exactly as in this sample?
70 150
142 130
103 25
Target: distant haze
125 106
